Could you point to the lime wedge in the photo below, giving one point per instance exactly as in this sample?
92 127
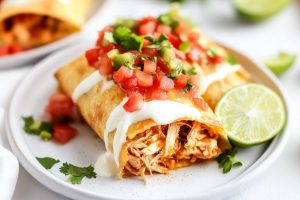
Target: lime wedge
257 10
281 63
251 114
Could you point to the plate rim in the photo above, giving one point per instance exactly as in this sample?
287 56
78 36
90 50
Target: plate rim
43 176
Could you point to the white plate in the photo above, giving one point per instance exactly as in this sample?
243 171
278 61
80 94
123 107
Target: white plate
32 55
198 181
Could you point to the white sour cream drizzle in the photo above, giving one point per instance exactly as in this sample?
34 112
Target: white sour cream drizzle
162 112
220 74
89 82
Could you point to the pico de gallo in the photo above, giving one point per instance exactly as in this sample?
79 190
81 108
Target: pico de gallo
61 112
151 57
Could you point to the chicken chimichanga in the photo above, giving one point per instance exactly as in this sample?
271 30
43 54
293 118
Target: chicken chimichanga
28 24
140 89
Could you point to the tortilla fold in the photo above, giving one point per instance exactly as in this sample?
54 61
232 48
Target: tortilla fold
96 107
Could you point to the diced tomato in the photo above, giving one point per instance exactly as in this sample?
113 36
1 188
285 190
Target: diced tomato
105 65
144 79
164 29
63 133
158 94
101 35
175 41
181 81
193 37
150 52
162 66
194 54
92 56
129 83
145 20
180 55
149 66
122 74
200 103
60 107
4 50
135 102
147 29
166 83
217 59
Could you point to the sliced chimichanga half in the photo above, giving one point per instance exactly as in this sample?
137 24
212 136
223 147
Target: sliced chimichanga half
28 24
161 136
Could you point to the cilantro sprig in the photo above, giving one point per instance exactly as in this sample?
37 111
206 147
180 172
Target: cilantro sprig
128 40
188 86
227 160
37 127
76 174
47 162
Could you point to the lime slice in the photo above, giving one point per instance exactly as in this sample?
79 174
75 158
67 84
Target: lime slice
281 63
257 10
251 114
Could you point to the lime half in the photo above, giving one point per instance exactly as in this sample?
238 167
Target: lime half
251 114
281 63
256 10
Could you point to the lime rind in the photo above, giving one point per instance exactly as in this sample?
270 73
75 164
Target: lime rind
281 63
243 129
258 10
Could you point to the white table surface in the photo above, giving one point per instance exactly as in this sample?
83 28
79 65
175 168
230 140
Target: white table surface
217 18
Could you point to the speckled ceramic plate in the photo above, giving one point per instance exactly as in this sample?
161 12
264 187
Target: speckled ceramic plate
200 181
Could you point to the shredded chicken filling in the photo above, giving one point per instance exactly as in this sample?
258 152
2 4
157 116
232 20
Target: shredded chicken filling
166 147
28 30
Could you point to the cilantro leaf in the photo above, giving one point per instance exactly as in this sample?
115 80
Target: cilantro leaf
76 174
47 162
167 19
191 71
227 160
212 53
188 86
35 127
127 39
231 59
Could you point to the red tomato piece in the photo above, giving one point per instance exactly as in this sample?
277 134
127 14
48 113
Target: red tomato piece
105 66
164 29
60 107
193 37
162 66
166 83
63 133
149 66
175 41
180 55
181 81
158 94
101 35
150 52
135 102
148 19
92 56
194 54
200 103
4 50
122 74
147 29
129 83
143 79
217 59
